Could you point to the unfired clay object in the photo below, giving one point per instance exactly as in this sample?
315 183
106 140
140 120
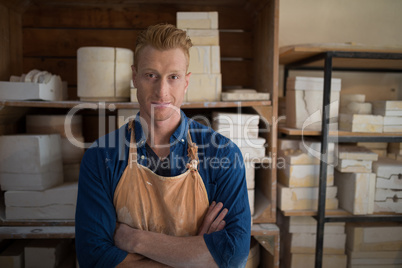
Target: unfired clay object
35 85
30 162
104 73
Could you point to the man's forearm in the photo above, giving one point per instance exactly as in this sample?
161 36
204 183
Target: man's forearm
135 260
173 251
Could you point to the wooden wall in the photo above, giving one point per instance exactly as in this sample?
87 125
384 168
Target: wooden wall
53 33
10 42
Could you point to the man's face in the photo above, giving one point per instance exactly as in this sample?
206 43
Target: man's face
161 81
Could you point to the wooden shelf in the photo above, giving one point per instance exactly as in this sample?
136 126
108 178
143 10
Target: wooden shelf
299 132
31 232
292 54
335 212
267 236
49 223
127 105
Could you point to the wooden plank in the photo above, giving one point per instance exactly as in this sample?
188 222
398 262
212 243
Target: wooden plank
268 237
65 67
236 44
133 16
65 42
4 44
15 43
264 229
266 176
17 5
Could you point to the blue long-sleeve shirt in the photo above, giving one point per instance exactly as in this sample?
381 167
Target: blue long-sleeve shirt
221 167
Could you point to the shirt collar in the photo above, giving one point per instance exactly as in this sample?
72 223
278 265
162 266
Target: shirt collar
179 134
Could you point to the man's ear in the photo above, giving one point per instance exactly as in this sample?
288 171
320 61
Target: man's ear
187 81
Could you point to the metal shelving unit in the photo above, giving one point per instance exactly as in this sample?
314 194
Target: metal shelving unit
324 59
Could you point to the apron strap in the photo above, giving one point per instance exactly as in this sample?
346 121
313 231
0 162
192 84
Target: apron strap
192 153
133 144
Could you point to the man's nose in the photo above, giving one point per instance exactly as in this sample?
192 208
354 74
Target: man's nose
162 87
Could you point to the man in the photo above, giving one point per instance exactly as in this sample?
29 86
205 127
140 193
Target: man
153 195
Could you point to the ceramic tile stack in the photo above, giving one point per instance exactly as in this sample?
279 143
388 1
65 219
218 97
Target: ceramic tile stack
392 113
72 140
379 148
244 95
356 115
298 239
376 245
388 192
395 150
355 180
31 173
48 253
298 177
242 129
13 255
304 96
206 79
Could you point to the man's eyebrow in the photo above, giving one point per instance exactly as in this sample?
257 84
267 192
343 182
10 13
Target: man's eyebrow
149 70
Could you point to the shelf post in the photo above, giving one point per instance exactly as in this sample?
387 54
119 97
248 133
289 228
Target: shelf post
324 159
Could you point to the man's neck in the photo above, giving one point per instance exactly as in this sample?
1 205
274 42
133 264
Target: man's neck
158 135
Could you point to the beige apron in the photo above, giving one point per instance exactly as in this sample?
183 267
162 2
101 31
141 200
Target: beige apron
169 205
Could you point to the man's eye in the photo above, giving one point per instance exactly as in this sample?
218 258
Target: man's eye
175 77
151 75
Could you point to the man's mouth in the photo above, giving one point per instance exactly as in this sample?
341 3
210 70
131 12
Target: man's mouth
160 104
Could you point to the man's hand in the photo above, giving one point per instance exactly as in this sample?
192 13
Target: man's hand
211 222
124 237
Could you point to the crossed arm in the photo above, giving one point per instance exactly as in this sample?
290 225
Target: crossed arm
158 250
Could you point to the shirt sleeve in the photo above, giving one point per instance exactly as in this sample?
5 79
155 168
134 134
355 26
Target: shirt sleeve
230 247
95 219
